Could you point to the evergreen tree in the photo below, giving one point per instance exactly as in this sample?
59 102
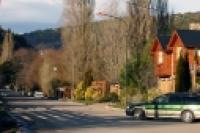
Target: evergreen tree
183 77
187 75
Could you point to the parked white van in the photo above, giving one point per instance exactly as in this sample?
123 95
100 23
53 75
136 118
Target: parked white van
39 95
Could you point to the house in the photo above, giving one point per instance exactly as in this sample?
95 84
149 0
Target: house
194 26
102 85
115 88
166 52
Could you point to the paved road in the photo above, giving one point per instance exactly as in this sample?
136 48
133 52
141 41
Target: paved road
43 116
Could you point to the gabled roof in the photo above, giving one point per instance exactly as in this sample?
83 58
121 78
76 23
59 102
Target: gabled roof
190 38
164 40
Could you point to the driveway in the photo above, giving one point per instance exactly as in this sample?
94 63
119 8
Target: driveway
44 116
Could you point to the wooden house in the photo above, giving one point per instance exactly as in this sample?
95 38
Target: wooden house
166 52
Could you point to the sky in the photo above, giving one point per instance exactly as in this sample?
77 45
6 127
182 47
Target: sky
29 15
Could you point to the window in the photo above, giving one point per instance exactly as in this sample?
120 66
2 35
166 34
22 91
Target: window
160 57
178 52
191 99
161 99
198 53
175 99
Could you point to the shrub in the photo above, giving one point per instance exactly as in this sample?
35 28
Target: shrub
89 94
153 93
88 78
79 92
93 94
113 97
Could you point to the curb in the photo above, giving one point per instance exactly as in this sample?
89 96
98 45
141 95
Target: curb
109 107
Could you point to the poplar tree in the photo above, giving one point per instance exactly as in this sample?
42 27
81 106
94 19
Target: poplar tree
7 48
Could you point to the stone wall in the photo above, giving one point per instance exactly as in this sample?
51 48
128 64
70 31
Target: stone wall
166 85
194 26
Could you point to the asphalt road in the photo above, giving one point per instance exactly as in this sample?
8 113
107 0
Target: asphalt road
44 116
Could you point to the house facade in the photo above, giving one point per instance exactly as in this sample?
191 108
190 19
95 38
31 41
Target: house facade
166 52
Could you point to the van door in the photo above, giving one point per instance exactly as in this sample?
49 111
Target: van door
157 109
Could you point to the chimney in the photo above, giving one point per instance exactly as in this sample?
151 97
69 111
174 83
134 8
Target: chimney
194 26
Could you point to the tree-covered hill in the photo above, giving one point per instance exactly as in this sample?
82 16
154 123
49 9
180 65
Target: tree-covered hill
50 38
182 21
19 41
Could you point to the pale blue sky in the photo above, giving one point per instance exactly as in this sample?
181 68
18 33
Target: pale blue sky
28 15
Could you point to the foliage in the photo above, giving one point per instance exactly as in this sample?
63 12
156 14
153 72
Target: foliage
80 91
153 93
183 77
56 83
8 72
88 78
113 97
138 72
93 94
19 40
49 38
165 22
7 48
45 77
182 20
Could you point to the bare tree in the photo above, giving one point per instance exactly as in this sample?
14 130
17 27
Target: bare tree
77 36
7 47
108 45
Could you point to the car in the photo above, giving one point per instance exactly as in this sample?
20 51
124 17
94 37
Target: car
184 106
39 95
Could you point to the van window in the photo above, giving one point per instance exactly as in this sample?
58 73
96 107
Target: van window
161 99
175 99
188 99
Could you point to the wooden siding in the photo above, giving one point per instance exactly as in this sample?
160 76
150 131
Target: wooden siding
165 69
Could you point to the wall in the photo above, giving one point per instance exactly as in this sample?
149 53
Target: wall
166 85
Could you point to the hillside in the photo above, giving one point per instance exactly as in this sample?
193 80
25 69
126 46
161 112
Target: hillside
50 38
19 41
182 21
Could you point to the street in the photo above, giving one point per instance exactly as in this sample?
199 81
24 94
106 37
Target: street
48 116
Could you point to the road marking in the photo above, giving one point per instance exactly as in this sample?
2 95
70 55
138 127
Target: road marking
42 117
26 118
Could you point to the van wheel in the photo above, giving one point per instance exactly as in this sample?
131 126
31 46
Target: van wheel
139 114
187 117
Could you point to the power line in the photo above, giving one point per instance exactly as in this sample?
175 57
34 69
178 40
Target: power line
136 4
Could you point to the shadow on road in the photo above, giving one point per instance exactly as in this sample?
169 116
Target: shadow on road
54 119
62 120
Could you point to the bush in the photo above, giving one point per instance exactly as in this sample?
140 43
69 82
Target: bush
131 95
93 94
89 94
79 92
153 93
113 97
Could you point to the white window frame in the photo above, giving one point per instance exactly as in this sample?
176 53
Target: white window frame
160 57
198 52
178 52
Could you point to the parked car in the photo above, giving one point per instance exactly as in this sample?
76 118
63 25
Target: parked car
184 106
5 92
39 95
